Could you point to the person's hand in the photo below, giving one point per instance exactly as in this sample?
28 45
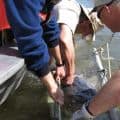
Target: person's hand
55 92
68 80
60 72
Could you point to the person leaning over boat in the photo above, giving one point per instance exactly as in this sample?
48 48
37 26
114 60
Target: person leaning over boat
109 96
70 16
31 37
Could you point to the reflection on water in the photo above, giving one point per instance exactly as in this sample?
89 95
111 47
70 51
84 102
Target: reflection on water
29 101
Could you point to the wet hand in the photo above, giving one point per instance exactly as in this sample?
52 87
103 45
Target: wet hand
60 72
57 94
68 80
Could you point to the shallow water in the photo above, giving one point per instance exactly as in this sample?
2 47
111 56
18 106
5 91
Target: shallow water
29 101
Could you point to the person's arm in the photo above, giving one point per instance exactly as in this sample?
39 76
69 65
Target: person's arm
55 92
68 52
51 37
25 23
60 71
57 55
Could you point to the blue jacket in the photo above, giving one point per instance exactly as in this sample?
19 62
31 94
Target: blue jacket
29 33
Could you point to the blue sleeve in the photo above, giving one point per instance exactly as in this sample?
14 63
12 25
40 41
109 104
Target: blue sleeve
51 32
26 25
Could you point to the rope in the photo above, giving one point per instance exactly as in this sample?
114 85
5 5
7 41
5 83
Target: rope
109 61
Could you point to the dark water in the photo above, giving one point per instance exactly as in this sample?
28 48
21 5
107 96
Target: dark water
29 102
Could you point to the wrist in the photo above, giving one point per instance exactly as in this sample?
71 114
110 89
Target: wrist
59 64
49 81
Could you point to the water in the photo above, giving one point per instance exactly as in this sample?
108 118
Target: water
84 52
29 101
86 65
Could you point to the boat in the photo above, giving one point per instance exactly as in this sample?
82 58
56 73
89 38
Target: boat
12 71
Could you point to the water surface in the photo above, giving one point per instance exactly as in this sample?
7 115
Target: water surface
29 101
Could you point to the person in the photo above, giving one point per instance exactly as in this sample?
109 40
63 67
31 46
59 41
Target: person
70 15
108 97
32 36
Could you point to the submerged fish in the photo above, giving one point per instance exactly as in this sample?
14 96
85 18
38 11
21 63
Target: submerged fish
77 94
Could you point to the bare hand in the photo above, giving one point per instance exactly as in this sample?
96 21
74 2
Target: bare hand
57 94
60 72
68 80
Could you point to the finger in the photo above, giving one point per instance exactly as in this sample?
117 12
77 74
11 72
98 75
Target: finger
58 81
57 77
60 100
62 75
